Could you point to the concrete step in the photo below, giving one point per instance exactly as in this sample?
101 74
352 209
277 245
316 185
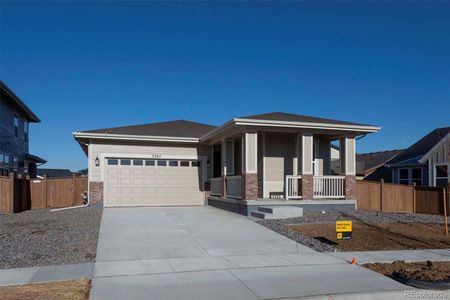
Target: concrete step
277 212
259 215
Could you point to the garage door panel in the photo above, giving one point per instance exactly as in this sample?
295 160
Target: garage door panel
143 185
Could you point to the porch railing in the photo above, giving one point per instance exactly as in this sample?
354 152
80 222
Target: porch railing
293 187
215 186
331 187
234 186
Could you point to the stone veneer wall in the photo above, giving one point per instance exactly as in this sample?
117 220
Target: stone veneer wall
249 184
350 187
95 191
307 187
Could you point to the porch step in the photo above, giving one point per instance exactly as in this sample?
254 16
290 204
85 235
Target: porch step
277 212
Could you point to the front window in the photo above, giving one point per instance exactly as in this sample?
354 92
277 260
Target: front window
441 172
416 176
404 176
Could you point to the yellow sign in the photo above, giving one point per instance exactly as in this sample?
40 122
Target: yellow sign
343 226
339 235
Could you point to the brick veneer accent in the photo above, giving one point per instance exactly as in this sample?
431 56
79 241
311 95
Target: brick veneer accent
350 186
95 191
249 186
307 187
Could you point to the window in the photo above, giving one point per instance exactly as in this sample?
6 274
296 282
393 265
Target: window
138 162
162 163
416 176
404 176
184 164
125 162
25 131
441 172
149 162
16 125
173 163
113 162
410 176
195 164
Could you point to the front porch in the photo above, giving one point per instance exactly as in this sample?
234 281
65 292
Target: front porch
282 166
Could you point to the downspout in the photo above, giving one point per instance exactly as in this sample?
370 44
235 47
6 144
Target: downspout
88 189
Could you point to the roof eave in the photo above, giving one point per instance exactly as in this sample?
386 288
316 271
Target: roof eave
126 137
32 117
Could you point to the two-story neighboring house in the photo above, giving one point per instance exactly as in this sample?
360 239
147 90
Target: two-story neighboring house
15 117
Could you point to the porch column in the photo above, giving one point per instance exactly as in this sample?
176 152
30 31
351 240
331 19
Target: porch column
305 163
347 157
223 163
249 181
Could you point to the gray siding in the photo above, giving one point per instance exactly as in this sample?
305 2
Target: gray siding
10 145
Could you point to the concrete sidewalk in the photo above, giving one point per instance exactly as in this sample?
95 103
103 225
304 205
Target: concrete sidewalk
21 276
207 253
393 255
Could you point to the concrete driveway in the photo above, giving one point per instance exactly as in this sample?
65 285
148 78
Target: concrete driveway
207 253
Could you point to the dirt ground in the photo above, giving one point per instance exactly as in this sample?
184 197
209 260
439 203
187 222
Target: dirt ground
71 289
380 236
416 274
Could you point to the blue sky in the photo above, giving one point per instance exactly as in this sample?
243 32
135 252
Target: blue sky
91 65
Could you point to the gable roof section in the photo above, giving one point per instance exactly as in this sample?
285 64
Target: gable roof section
373 160
415 152
287 117
6 92
177 128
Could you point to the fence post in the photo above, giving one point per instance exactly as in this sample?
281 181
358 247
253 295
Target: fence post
414 197
12 193
381 194
44 190
74 198
444 196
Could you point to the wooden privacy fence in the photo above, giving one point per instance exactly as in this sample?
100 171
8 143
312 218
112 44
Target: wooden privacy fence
17 194
388 197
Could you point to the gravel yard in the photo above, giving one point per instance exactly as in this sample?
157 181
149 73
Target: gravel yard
43 237
322 238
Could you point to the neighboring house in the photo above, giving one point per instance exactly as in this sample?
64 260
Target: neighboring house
83 172
15 117
53 173
371 166
267 156
426 162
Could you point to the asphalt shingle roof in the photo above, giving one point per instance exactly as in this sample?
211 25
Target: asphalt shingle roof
281 116
421 147
177 128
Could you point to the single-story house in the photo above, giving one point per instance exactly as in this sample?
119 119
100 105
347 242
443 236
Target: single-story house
426 162
267 157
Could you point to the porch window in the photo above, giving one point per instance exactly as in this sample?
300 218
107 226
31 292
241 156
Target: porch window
441 172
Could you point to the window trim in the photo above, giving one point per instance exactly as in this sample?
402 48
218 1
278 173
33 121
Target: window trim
435 177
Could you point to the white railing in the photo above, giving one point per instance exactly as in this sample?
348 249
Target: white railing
234 186
293 187
332 187
215 186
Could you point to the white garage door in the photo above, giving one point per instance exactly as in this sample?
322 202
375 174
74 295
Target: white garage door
141 182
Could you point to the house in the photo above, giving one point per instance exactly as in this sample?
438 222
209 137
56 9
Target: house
266 157
426 162
54 173
15 118
371 166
